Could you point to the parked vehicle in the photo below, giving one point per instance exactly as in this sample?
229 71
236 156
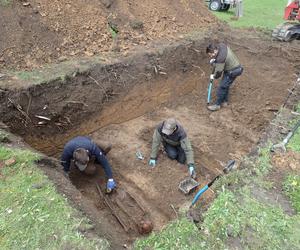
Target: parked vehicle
290 30
220 5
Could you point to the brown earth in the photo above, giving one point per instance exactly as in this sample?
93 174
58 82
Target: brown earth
142 91
51 31
120 102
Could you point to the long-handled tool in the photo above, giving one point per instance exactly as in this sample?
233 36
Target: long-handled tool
227 168
209 89
281 145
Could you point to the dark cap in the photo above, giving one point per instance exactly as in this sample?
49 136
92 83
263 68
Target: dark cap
81 158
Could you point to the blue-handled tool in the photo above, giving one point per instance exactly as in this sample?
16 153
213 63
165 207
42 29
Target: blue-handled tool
227 168
209 89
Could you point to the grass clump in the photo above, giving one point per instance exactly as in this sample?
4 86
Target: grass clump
262 164
265 14
4 137
32 214
294 143
180 234
34 76
5 2
292 188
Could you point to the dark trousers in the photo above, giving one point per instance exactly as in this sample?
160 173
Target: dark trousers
227 80
175 153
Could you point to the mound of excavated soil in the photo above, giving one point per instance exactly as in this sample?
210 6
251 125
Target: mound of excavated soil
44 31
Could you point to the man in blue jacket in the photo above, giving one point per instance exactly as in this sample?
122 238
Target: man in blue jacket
81 149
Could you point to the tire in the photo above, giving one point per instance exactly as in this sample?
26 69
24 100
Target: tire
225 7
215 5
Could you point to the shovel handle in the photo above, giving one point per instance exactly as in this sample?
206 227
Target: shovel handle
209 91
227 168
200 192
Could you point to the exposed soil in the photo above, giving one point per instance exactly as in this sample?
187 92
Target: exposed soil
121 103
51 31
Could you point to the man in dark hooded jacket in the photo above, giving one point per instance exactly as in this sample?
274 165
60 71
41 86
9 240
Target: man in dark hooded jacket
225 62
81 150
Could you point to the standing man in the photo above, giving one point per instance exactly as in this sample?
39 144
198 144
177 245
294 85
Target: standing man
81 149
238 8
176 144
223 61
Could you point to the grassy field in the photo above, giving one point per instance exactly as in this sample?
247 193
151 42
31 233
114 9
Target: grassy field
32 214
257 13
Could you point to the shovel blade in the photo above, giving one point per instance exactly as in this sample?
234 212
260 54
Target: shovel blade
229 166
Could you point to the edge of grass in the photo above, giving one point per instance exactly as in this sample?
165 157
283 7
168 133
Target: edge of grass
291 186
236 214
32 214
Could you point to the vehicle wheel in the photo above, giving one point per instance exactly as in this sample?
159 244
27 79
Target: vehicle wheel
225 7
215 5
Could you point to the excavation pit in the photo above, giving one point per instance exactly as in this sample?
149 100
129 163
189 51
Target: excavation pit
122 102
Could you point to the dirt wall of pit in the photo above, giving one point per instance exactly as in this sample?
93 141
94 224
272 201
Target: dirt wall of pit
60 105
121 103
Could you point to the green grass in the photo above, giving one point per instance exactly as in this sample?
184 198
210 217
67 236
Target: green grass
294 143
3 136
292 188
257 13
34 76
232 215
32 214
297 108
181 234
52 72
5 2
237 214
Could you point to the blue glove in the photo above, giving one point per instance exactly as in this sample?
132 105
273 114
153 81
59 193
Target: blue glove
110 185
192 171
152 162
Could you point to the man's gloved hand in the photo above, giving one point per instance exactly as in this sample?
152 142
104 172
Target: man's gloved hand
152 162
212 61
192 171
66 174
212 77
110 185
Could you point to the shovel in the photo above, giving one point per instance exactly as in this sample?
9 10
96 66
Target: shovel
209 89
227 168
281 146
